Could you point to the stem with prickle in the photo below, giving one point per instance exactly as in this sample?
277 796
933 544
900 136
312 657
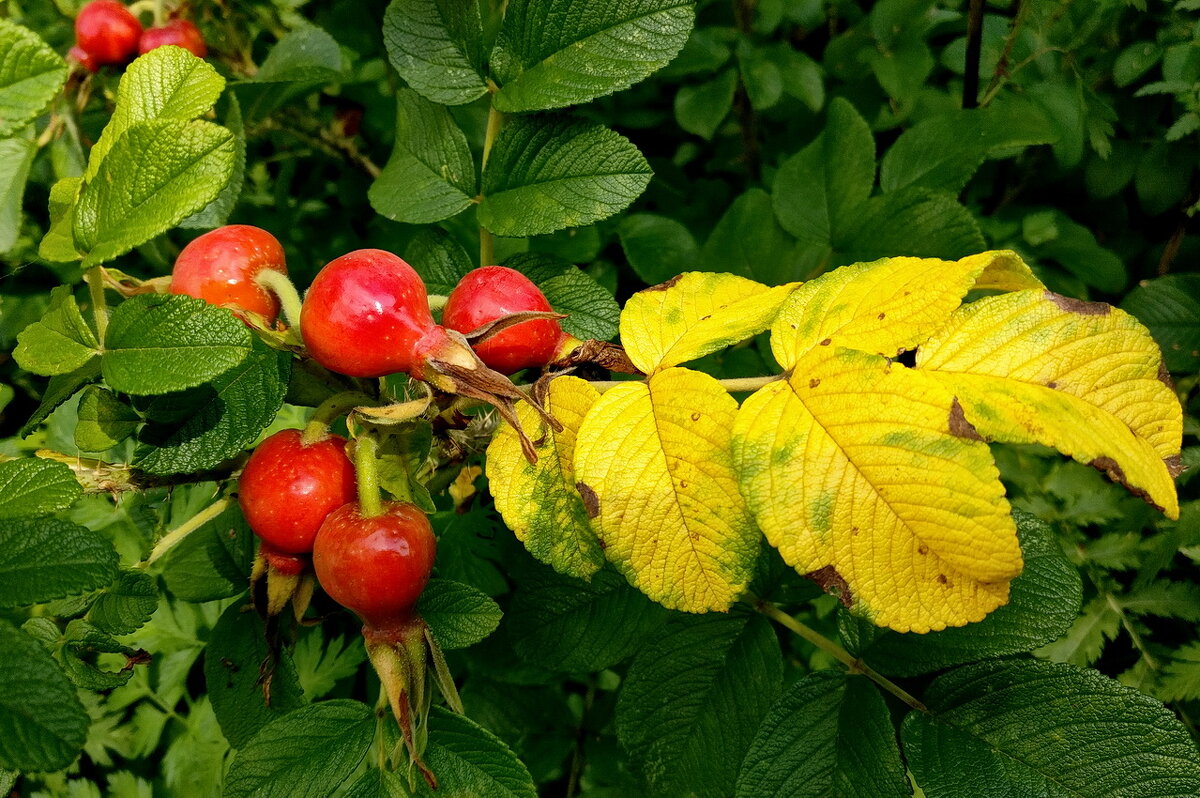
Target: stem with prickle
330 410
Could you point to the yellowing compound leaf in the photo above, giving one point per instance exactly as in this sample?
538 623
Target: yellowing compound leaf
855 469
888 305
539 502
654 464
694 314
1083 377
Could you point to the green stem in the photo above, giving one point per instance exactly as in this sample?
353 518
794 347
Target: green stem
172 538
437 302
95 282
330 410
366 471
160 13
487 245
852 663
289 299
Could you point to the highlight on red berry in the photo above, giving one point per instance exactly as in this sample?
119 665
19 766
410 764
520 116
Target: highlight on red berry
180 32
220 267
485 295
106 33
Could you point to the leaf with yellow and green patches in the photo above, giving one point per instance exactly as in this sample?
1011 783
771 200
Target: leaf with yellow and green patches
539 502
694 314
857 471
1082 377
655 467
889 305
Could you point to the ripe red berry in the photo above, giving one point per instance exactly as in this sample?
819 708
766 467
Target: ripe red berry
376 566
486 294
219 267
367 315
287 489
105 33
179 32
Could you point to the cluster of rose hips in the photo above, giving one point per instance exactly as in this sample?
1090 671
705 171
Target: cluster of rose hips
108 34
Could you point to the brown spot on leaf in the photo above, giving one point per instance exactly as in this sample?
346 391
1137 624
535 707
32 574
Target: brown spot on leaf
666 285
922 550
695 416
881 316
1114 472
827 342
706 318
854 530
1052 385
814 382
833 583
1175 465
1164 376
959 426
591 502
1079 306
683 484
941 579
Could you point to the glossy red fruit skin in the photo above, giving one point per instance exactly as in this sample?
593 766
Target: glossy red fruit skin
488 293
376 566
367 315
180 32
219 267
107 33
287 489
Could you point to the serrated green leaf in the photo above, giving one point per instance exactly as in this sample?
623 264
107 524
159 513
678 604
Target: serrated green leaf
829 736
42 723
159 343
1180 680
16 156
217 212
213 561
307 753
210 424
1164 598
157 173
940 153
749 242
237 664
60 342
320 663
1036 728
1170 307
916 222
592 312
471 762
701 109
694 698
439 259
437 47
33 486
657 247
81 643
376 783
1082 643
431 175
402 459
60 389
567 624
126 605
458 615
30 76
1043 603
104 420
588 52
48 558
305 55
547 173
165 83
58 245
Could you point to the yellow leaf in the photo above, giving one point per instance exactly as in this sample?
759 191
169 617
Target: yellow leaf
694 314
853 470
1083 377
654 460
886 306
539 502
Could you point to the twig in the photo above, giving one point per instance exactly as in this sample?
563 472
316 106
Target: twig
970 97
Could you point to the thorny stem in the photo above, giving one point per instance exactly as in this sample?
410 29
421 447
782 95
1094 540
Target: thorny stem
289 298
852 663
330 410
366 471
486 244
95 281
172 538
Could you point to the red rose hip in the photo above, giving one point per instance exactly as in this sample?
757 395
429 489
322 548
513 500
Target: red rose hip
105 33
220 266
486 294
180 32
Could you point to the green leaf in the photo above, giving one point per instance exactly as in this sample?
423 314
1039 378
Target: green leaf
217 212
591 310
818 192
1170 307
547 173
82 642
321 663
471 762
1083 642
165 83
567 624
16 157
1043 603
439 259
307 753
1076 248
104 420
60 389
701 108
376 783
915 222
157 174
587 52
42 723
239 668
1036 728
658 248
694 698
305 55
207 425
1164 598
126 605
748 241
33 486
437 47
940 153
458 615
48 558
58 245
159 343
402 457
60 342
829 736
212 562
431 175
1180 679
30 76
